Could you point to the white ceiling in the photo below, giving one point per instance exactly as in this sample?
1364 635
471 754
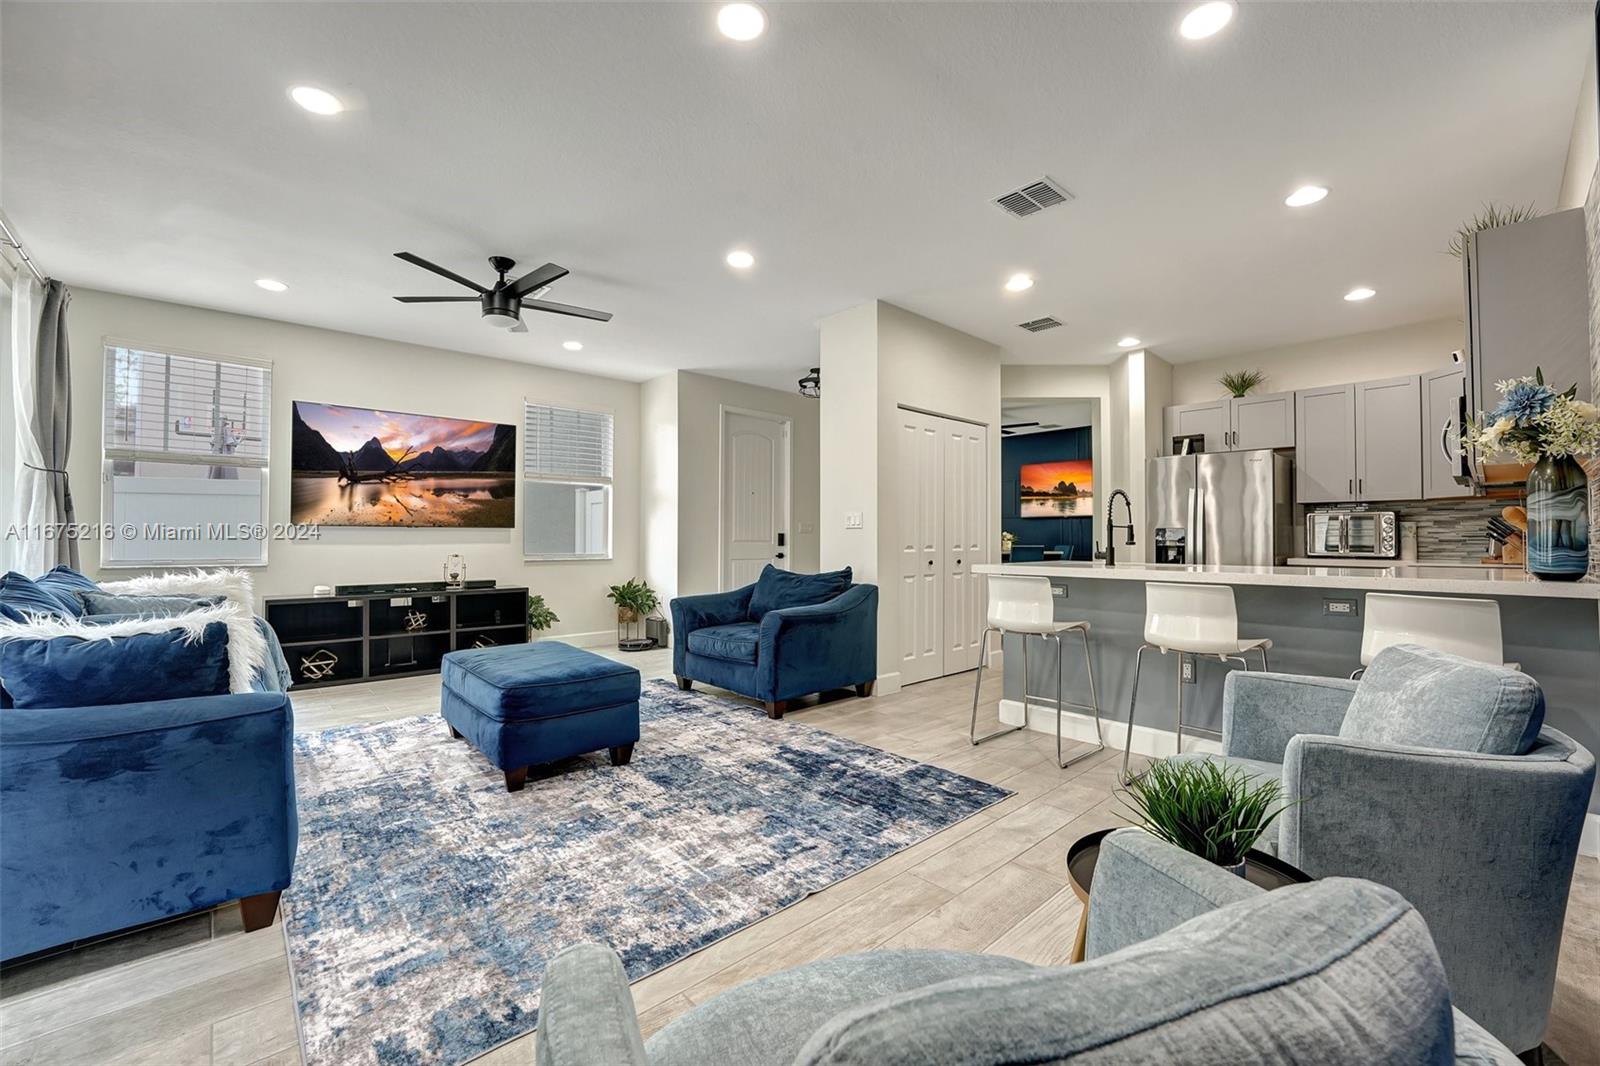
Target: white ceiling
151 149
1050 414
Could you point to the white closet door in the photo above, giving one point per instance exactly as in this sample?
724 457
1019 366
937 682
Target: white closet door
921 649
966 534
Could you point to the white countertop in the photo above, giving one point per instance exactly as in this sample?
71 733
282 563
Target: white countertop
1460 580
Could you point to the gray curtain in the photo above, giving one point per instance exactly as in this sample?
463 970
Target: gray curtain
52 426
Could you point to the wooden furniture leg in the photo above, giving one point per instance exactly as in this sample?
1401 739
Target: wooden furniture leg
455 733
865 688
776 708
684 683
515 779
622 755
1083 932
258 911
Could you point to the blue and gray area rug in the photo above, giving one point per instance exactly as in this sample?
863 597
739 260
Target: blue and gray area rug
426 898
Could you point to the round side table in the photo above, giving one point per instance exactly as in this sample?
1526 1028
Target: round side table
1262 869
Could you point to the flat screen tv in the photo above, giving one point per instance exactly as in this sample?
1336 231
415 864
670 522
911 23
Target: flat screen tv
1062 489
354 466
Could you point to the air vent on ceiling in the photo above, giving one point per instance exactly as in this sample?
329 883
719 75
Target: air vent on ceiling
1017 425
1033 198
1039 325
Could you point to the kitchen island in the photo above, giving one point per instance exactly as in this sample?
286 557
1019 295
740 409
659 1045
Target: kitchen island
1313 616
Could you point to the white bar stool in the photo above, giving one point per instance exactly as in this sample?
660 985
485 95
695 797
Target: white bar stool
1190 620
1468 628
1024 605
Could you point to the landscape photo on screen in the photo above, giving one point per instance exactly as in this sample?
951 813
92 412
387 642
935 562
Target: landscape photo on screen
1062 489
355 466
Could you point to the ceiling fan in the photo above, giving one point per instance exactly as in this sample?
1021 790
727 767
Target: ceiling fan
502 305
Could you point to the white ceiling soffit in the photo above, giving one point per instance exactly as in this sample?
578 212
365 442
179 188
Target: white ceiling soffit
855 149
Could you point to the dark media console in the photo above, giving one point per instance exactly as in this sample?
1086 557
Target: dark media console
395 630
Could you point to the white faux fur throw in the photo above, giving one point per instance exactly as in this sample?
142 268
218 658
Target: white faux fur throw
247 648
235 585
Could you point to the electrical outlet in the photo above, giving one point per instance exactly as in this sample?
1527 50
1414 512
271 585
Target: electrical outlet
1188 670
1347 608
1058 591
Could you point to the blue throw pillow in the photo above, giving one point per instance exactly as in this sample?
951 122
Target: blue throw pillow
776 589
75 672
67 585
22 596
99 603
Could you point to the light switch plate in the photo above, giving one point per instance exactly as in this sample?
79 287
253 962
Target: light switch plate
852 520
805 527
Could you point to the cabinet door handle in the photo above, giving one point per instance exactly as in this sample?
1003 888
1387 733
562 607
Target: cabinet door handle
1352 487
1360 486
1444 439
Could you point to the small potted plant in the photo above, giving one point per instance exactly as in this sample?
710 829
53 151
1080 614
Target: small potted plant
540 616
1240 382
1211 810
634 600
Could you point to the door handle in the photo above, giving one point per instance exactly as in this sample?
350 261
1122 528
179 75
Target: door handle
958 562
778 556
930 562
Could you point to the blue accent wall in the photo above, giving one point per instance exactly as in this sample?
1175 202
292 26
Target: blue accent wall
1017 452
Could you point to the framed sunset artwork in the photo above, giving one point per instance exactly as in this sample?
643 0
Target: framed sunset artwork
1062 489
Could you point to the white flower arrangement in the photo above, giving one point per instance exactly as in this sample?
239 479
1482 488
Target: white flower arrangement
1533 422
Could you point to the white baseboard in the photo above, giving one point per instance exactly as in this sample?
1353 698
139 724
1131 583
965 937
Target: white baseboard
1080 726
888 684
1589 842
597 639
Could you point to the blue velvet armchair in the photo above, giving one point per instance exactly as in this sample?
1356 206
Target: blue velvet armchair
783 637
114 816
1396 779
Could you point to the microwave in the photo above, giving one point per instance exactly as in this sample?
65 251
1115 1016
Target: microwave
1368 534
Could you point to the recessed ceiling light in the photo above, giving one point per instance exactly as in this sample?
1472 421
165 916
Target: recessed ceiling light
1305 196
1129 342
1206 20
572 346
741 22
1360 292
316 101
740 259
1019 283
272 285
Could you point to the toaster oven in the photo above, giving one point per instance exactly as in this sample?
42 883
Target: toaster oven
1365 534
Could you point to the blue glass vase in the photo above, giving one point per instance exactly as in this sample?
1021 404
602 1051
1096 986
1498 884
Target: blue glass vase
1558 519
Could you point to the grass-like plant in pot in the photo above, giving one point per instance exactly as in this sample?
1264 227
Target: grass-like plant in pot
540 616
634 600
1240 382
1211 810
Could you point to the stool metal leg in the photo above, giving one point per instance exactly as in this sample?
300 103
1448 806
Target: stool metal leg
1133 700
983 654
1094 703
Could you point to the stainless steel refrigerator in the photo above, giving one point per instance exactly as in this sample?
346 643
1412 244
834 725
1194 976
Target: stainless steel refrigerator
1233 508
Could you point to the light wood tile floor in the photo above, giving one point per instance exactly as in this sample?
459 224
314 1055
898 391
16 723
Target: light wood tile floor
199 990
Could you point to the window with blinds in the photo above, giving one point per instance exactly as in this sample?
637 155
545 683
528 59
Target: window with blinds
566 489
185 442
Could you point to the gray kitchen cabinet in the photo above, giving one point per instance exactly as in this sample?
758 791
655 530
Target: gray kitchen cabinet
1325 444
1389 439
1210 418
1264 421
1443 406
1235 424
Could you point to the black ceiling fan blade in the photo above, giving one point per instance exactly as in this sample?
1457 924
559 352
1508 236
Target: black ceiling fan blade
536 279
417 260
567 309
439 299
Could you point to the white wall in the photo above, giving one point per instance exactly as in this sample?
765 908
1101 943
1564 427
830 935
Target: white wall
1583 150
701 398
325 366
848 451
658 485
1386 353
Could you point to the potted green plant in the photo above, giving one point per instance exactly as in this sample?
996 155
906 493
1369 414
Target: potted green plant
1211 810
1493 216
1240 382
634 600
540 616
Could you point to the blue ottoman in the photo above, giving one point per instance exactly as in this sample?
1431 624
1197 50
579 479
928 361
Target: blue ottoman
526 704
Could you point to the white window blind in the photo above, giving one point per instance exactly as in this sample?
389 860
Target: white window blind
564 444
163 407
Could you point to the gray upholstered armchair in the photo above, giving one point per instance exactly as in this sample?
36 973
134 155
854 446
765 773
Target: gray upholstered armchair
1187 964
1431 775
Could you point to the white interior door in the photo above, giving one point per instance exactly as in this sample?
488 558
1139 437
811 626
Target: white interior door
966 540
755 495
919 454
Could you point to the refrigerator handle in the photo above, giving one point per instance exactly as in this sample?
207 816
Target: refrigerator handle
1196 528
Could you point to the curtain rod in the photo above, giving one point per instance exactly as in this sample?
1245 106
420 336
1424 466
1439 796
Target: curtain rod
10 240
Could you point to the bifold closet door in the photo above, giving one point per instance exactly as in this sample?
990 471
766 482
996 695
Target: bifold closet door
943 532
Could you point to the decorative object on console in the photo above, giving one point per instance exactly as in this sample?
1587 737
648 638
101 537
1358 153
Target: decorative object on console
322 590
1551 430
1214 811
1240 382
499 882
455 571
354 466
319 665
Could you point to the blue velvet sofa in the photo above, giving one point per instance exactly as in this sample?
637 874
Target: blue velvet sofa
1186 964
115 815
783 637
1434 775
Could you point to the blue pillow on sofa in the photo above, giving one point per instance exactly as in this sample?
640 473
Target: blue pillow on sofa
73 671
21 597
67 585
98 603
776 589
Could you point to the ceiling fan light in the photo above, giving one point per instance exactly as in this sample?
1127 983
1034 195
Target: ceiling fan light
500 319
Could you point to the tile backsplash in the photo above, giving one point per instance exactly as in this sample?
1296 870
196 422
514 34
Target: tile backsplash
1453 530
